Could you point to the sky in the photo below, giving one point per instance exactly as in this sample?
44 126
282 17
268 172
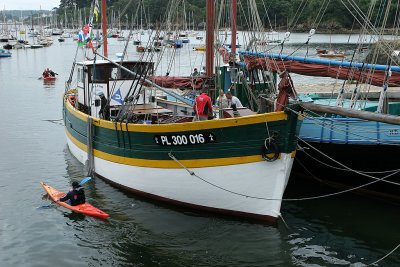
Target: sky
28 4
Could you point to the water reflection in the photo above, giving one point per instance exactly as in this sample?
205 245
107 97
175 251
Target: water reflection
140 232
326 232
49 83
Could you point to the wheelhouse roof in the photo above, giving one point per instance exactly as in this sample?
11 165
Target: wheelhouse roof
106 62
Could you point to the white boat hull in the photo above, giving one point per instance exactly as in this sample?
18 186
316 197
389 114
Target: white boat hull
252 190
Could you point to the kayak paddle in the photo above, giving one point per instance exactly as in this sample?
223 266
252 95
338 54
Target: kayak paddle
86 179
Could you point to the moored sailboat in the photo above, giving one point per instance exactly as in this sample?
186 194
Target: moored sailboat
5 53
349 140
236 164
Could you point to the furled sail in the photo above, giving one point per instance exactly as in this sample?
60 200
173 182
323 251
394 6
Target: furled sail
366 73
178 82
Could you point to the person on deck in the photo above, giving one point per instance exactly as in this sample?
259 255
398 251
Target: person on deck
202 106
203 72
75 196
233 100
104 107
195 72
222 101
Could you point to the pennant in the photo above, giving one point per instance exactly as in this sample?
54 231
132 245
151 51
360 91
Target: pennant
118 97
96 10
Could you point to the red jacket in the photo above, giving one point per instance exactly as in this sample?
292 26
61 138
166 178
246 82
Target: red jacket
202 105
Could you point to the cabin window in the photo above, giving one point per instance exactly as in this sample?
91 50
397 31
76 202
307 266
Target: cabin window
98 74
81 75
127 75
122 75
143 68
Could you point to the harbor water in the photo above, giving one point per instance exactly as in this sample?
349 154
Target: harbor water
343 230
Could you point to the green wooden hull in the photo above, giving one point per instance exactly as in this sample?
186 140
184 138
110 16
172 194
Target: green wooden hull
239 139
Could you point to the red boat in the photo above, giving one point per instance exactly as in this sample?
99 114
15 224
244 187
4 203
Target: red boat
49 75
49 78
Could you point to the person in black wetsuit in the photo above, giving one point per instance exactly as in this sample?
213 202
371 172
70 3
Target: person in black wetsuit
75 196
52 73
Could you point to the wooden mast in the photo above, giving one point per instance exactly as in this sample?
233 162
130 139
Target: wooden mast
209 38
104 25
233 35
360 114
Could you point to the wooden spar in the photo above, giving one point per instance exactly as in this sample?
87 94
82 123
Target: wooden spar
210 38
104 25
303 59
360 114
233 36
165 90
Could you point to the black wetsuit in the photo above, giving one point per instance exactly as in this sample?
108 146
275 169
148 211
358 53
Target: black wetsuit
75 196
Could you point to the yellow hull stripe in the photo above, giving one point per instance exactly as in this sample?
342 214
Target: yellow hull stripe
195 163
181 127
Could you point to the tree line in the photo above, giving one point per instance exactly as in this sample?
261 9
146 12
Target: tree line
294 15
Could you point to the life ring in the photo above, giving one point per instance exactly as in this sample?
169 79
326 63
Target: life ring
71 99
270 148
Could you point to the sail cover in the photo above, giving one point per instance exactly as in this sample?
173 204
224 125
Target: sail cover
366 74
178 82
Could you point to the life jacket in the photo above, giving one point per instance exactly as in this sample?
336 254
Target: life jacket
78 196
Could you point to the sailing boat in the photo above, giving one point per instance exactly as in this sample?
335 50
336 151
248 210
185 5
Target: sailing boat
236 164
351 141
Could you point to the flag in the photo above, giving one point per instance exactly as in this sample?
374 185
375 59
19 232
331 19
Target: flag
81 38
85 35
118 97
96 9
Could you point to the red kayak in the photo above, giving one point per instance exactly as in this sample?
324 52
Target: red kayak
85 208
49 78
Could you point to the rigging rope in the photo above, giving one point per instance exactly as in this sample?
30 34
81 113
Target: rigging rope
388 254
192 173
364 172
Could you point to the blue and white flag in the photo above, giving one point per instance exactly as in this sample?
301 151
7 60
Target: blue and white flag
118 97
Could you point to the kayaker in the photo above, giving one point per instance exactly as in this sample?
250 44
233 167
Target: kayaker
46 73
52 73
75 196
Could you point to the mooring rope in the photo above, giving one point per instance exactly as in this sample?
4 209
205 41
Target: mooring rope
344 166
56 121
192 173
387 255
343 169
